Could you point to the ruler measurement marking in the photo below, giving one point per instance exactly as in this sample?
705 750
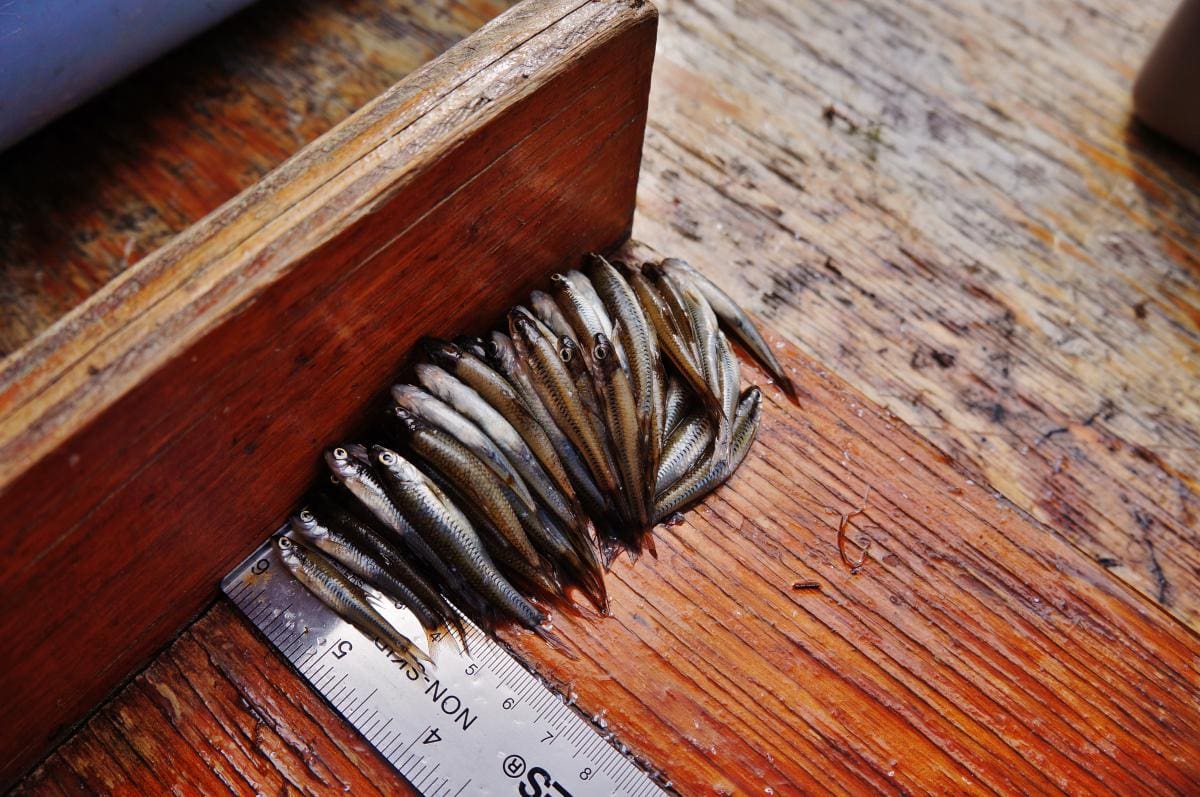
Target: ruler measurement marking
465 731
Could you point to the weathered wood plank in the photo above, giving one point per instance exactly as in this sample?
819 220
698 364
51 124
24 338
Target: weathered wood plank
228 357
979 238
976 652
139 164
217 712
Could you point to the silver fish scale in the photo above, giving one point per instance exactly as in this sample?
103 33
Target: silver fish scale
478 724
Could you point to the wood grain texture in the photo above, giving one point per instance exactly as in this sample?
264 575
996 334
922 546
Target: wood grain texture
978 237
231 355
979 240
217 712
976 652
136 166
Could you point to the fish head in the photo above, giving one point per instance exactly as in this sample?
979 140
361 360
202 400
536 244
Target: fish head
521 324
560 285
436 380
602 350
305 524
290 553
568 349
443 352
652 270
407 396
358 452
472 344
395 465
497 347
342 463
405 421
676 266
750 400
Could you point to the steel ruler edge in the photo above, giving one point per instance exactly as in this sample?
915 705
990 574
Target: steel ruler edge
477 724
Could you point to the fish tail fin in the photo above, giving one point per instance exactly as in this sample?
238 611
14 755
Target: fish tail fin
460 633
403 647
648 542
555 641
786 385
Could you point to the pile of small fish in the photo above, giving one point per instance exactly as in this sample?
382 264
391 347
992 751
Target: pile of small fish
520 463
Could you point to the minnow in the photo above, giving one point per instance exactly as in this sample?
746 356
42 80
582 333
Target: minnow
449 532
671 341
531 477
469 477
705 330
503 356
672 295
734 318
533 451
361 481
713 470
556 388
578 309
689 441
637 337
342 550
367 539
745 426
448 419
572 356
346 599
624 429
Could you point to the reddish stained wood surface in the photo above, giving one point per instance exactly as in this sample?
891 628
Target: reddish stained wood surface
980 238
984 243
140 163
217 712
230 356
976 652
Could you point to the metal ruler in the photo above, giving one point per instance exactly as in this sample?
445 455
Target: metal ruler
474 724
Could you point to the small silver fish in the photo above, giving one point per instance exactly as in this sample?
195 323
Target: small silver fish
734 318
443 416
361 481
343 551
623 427
347 600
449 532
690 440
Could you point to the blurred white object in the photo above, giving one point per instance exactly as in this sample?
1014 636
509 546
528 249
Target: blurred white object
54 54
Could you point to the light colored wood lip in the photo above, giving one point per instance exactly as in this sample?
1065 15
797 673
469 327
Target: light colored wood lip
67 376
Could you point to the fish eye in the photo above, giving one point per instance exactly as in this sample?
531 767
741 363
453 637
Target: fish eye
565 354
387 458
340 453
556 277
600 352
306 516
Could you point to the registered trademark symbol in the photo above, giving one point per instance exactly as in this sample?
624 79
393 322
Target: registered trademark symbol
514 766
